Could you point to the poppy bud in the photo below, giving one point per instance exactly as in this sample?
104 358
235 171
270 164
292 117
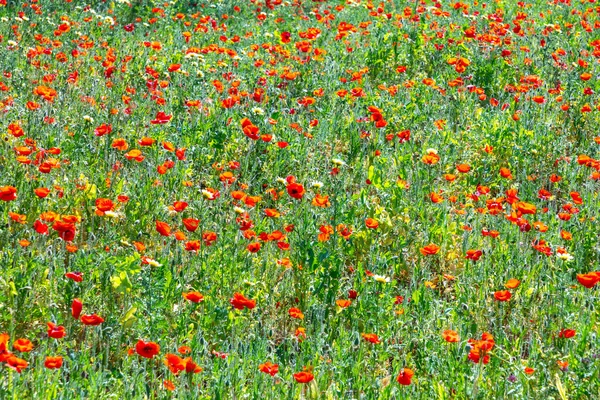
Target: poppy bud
76 307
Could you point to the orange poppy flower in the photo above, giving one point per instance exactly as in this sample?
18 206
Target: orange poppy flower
566 235
435 198
525 208
269 368
450 177
505 173
134 154
120 144
103 205
430 249
463 168
563 365
53 362
343 303
502 295
371 223
450 336
23 345
371 338
321 201
295 313
512 283
16 363
431 158
194 297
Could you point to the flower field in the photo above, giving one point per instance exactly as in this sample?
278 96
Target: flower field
294 199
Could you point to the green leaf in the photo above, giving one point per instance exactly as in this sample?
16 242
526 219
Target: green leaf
129 318
121 282
416 296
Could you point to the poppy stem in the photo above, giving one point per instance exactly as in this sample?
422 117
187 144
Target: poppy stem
476 383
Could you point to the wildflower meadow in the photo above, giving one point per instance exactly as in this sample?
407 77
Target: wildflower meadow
296 199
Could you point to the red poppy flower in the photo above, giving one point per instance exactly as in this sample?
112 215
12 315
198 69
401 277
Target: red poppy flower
173 67
240 302
191 366
76 276
473 255
296 190
55 331
254 247
42 192
249 129
567 333
502 295
191 224
588 280
66 230
161 118
304 377
103 205
103 129
91 319
8 193
147 349
163 228
405 376
174 363
40 227
76 307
